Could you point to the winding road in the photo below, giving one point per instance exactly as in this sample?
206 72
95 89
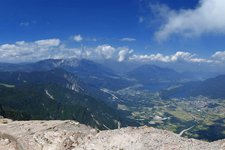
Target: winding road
185 130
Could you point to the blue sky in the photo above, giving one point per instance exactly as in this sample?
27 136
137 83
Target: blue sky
141 28
60 18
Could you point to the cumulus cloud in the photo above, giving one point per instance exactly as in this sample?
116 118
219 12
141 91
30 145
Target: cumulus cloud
28 51
124 53
77 38
207 17
177 57
106 51
219 56
115 53
22 51
128 39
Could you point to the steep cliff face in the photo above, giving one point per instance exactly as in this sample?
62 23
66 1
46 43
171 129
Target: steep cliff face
66 135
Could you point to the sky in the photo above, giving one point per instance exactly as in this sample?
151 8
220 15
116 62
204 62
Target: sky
150 31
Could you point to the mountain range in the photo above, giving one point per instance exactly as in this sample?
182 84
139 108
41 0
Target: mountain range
212 88
78 89
53 94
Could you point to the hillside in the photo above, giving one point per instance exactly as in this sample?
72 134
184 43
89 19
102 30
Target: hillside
70 135
156 78
54 94
92 73
212 88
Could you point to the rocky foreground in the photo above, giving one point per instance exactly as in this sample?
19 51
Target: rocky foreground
70 135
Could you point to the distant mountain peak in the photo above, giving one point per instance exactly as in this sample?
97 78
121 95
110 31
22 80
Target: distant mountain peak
60 62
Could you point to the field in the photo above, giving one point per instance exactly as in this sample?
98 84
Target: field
198 117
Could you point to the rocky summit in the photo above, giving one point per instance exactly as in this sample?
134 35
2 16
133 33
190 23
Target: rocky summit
71 135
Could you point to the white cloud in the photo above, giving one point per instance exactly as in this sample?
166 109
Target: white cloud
27 23
47 42
181 56
149 58
128 39
124 53
29 51
177 57
105 51
22 51
219 56
20 42
206 18
77 38
115 53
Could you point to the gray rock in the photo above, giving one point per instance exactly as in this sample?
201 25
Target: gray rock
68 135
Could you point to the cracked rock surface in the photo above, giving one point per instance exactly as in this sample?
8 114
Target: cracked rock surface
70 135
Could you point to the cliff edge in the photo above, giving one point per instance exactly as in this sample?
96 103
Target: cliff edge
70 135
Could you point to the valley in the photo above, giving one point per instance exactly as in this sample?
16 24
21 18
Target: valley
92 94
112 74
204 115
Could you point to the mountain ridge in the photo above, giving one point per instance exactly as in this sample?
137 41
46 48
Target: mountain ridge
28 98
212 88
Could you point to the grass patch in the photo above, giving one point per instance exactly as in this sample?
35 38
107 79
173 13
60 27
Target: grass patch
180 115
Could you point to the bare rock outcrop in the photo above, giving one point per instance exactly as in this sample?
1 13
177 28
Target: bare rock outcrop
70 135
